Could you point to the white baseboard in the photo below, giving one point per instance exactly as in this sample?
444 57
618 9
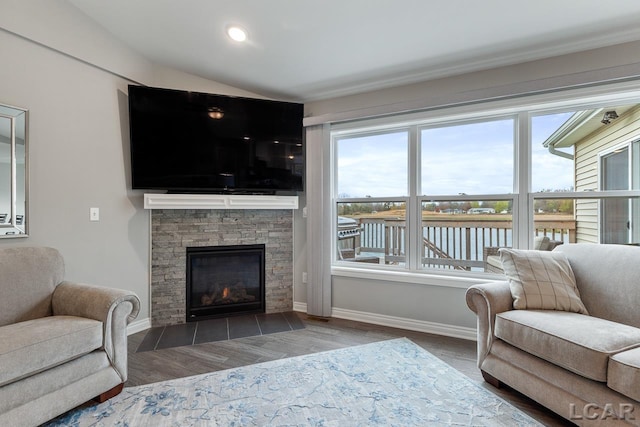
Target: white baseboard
138 326
300 306
398 322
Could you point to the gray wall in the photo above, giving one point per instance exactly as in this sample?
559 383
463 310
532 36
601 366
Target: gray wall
575 70
77 142
78 139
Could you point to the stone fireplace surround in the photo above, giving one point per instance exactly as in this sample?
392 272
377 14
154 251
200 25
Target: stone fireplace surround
181 221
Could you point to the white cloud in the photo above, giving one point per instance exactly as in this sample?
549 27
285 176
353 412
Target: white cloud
474 158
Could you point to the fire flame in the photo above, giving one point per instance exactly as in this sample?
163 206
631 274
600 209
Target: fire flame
225 293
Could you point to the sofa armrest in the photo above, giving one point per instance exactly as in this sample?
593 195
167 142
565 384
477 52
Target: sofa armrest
487 300
115 308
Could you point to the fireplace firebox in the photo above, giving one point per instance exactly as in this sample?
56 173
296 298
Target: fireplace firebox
225 280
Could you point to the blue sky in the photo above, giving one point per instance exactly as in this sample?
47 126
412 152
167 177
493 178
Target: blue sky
475 158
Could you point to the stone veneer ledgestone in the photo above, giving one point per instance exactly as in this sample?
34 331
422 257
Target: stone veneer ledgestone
173 230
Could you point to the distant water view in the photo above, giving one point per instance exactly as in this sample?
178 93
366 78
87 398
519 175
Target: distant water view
455 239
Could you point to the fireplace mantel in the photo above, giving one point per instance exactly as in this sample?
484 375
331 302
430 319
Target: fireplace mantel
218 201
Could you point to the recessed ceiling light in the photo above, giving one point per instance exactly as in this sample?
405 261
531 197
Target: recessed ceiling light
237 33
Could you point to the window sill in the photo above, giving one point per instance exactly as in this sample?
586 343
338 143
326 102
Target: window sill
420 278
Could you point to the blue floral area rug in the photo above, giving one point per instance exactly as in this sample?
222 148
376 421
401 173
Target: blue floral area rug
389 383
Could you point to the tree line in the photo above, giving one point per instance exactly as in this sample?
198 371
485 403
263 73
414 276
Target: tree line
563 206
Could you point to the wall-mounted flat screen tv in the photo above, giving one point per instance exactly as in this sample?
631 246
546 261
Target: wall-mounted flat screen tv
197 142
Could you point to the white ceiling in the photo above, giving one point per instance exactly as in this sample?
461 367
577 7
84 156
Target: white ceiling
306 50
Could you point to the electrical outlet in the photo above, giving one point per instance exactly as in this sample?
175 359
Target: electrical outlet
304 277
94 214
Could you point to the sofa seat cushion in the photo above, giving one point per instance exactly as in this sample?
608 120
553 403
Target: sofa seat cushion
624 373
577 342
33 346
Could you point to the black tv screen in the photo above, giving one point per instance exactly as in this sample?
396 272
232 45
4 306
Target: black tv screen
196 142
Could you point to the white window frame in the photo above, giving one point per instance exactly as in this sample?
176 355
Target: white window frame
414 199
523 198
631 145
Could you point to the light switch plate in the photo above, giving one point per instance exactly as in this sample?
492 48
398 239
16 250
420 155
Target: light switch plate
94 214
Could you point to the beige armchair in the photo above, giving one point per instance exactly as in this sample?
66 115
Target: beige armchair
61 343
491 258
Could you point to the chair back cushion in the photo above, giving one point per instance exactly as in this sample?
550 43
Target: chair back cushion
541 243
608 277
28 277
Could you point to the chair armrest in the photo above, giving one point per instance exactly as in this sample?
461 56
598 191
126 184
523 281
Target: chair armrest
487 300
115 308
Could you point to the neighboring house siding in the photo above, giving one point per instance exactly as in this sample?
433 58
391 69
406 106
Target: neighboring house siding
587 221
625 129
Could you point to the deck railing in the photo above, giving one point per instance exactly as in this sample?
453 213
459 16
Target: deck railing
452 242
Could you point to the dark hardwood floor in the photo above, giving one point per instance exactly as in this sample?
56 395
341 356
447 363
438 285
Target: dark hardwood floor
317 335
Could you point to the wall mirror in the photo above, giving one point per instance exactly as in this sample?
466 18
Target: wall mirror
13 172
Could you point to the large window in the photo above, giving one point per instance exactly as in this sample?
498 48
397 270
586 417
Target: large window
444 193
469 158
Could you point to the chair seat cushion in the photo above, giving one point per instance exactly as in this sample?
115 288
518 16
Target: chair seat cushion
624 373
33 346
577 342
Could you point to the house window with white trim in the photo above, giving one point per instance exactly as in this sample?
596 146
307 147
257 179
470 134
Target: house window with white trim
619 221
443 192
372 186
424 196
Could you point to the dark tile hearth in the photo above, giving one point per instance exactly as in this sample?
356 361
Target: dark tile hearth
219 330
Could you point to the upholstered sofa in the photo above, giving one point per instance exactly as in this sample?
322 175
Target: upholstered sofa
583 366
61 343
